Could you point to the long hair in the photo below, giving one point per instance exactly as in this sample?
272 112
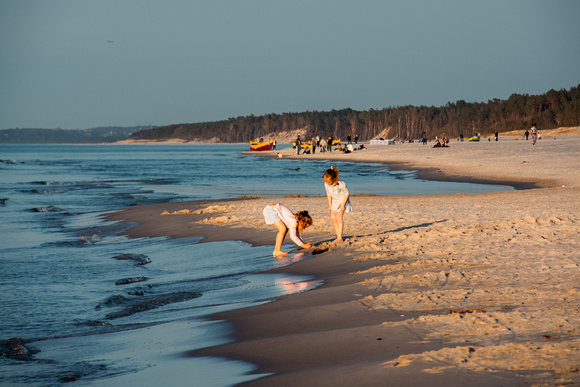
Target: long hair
303 220
332 174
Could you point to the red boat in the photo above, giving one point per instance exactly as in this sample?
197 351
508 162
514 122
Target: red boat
261 146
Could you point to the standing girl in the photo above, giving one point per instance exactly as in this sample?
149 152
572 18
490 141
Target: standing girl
284 220
338 200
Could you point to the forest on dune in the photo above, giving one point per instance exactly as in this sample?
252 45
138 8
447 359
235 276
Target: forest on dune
550 110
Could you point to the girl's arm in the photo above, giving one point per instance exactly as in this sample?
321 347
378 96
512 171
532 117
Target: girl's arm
328 196
344 200
297 239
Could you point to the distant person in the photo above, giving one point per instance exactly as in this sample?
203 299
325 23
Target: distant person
274 144
356 139
534 133
338 200
298 143
424 138
329 143
349 147
527 134
322 145
314 143
461 137
348 139
284 220
496 135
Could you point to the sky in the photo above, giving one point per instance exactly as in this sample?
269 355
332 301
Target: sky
77 64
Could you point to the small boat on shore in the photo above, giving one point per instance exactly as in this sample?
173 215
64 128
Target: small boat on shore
261 146
473 138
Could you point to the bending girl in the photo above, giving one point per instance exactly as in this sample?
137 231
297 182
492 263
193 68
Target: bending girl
284 220
338 200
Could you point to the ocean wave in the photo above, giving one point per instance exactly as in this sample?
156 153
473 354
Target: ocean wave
47 209
145 303
140 259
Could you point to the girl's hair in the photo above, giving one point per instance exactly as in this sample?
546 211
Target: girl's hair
303 220
332 174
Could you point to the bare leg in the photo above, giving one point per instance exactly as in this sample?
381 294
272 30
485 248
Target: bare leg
334 224
338 225
282 230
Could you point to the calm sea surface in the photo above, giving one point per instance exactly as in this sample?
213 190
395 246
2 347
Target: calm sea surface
98 308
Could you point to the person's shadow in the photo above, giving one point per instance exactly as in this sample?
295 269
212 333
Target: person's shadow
323 246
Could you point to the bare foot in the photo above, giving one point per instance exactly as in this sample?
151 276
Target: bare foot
279 253
337 240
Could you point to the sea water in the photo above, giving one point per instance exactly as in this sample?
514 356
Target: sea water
93 318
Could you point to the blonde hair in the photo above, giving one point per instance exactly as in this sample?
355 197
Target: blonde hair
331 174
303 220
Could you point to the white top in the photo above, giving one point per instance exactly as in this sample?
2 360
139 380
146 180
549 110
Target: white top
338 193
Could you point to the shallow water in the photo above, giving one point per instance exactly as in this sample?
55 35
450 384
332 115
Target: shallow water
95 318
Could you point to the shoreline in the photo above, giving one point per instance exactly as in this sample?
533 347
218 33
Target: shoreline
475 288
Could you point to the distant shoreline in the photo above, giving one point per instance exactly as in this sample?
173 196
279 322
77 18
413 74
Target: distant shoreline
285 138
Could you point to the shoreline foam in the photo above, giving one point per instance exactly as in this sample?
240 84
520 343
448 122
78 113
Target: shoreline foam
476 289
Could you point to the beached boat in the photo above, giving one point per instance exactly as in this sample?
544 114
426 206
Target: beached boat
473 138
261 146
303 145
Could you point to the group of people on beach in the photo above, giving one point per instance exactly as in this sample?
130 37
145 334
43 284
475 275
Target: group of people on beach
325 144
286 221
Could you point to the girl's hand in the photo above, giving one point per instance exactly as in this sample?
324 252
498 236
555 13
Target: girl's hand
307 245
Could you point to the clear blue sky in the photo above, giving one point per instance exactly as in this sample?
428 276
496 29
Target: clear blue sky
87 63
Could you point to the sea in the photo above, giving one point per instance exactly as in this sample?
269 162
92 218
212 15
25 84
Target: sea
95 307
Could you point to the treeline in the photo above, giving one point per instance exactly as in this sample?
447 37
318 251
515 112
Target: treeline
66 136
550 110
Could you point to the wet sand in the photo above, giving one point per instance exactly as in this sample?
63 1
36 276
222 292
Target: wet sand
464 289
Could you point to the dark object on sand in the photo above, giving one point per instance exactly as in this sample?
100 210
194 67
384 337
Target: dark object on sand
320 250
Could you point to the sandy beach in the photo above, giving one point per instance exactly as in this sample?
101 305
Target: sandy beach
463 289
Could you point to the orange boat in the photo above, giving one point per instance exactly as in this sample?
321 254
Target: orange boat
261 146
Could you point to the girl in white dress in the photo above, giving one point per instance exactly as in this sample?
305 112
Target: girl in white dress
338 200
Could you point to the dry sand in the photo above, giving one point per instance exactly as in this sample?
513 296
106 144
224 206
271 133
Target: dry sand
463 289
